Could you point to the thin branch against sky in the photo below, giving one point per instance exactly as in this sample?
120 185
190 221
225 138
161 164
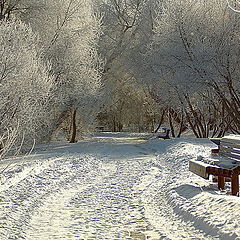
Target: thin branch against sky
234 5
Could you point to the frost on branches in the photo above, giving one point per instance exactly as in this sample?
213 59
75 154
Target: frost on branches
69 31
195 53
25 86
49 67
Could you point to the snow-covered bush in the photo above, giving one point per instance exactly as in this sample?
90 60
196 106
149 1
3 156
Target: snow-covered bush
25 85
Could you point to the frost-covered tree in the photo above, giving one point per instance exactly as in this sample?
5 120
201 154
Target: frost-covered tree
69 31
127 29
129 106
126 25
8 7
15 8
195 53
25 86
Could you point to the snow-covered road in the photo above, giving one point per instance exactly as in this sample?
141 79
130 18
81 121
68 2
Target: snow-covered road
114 186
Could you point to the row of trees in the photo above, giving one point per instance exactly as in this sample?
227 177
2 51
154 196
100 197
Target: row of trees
49 67
184 54
127 32
195 51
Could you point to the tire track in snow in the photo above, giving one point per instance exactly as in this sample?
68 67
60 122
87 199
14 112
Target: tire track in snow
73 198
19 202
84 197
104 209
161 214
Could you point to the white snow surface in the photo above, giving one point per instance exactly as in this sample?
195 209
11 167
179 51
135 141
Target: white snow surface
116 187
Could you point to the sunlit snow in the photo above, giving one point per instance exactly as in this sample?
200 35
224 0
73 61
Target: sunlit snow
114 186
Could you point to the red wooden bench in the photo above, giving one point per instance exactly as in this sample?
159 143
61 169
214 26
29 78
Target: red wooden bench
225 163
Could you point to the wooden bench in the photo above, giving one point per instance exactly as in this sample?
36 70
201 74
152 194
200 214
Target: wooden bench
163 133
224 163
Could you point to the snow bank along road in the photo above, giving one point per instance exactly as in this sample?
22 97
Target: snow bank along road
114 186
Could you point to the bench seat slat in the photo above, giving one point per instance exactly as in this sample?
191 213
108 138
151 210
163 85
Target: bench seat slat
199 168
230 155
228 149
229 152
218 171
230 144
234 140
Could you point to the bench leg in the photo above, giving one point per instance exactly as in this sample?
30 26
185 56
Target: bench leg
235 185
221 182
214 179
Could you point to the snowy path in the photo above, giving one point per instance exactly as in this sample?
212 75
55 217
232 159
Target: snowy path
110 187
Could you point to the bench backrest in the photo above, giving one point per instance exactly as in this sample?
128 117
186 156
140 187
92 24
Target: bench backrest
230 147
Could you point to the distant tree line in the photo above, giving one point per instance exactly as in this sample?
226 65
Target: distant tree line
181 58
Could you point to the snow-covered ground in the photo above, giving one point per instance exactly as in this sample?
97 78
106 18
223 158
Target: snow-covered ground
114 186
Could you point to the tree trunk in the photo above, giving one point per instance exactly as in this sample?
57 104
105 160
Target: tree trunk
181 129
171 124
191 124
161 121
114 127
74 127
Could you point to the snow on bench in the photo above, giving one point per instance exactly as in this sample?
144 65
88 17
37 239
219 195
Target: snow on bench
225 163
162 133
199 168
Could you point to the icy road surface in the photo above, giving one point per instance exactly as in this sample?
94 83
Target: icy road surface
114 186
